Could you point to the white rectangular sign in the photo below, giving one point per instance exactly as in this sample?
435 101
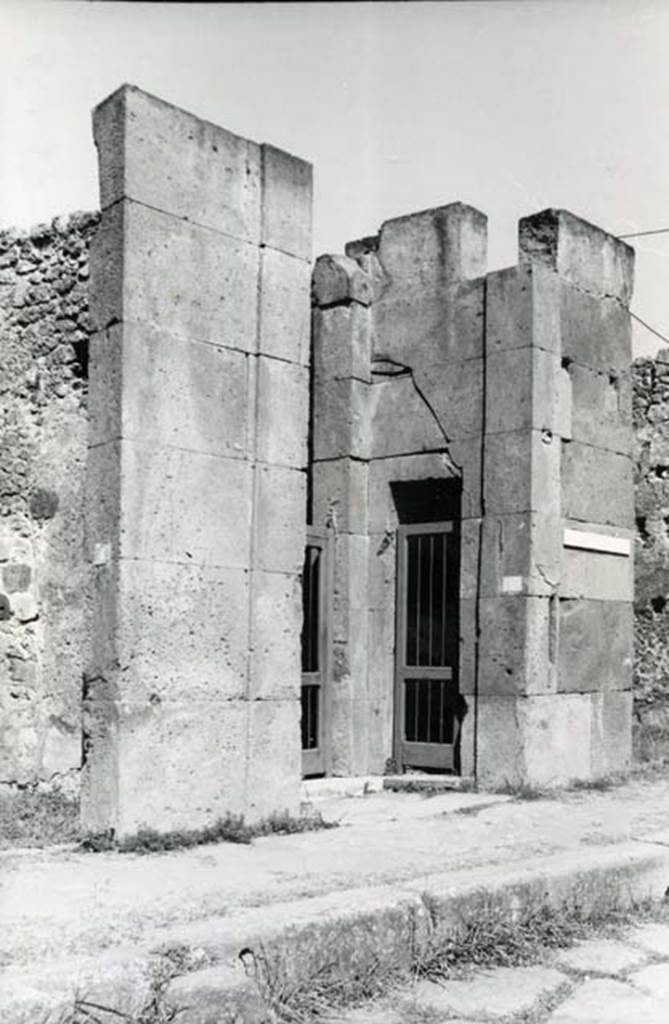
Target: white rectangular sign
590 541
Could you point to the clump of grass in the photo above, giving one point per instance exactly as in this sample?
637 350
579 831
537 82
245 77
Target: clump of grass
492 937
230 829
32 817
524 791
314 994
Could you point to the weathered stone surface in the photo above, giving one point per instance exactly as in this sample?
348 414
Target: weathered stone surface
432 324
140 375
522 309
342 343
596 332
517 646
523 391
340 494
273 758
601 408
350 595
417 430
280 497
522 554
284 307
455 395
342 419
600 956
543 740
144 146
434 247
179 633
608 1002
597 485
286 202
653 980
282 413
581 253
495 994
276 622
522 472
151 267
596 645
203 997
339 279
174 505
597 576
653 938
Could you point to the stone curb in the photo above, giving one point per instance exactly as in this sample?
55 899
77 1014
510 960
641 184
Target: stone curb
350 930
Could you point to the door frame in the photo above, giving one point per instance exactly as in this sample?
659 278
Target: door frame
317 760
423 755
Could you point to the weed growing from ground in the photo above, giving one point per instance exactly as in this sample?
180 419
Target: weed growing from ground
231 829
30 817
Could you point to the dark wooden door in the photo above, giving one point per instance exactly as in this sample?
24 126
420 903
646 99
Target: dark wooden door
315 589
426 650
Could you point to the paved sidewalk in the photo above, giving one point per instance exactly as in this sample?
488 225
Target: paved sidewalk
601 981
68 916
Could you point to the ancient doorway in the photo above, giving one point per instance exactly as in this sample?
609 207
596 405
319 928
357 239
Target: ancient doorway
315 588
426 649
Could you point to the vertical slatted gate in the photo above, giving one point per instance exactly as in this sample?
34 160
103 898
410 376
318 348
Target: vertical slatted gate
426 688
314 653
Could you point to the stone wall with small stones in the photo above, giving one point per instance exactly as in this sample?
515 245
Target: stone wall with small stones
651 422
44 331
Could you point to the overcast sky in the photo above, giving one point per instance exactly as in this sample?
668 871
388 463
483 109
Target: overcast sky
512 106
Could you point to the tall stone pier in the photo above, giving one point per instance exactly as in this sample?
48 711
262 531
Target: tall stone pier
196 482
488 417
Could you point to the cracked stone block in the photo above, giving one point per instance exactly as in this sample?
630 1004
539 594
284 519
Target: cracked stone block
383 515
600 956
222 186
596 645
417 430
494 994
582 254
342 343
522 553
454 392
608 1002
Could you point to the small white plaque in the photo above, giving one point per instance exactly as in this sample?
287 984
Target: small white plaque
101 554
587 540
512 584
